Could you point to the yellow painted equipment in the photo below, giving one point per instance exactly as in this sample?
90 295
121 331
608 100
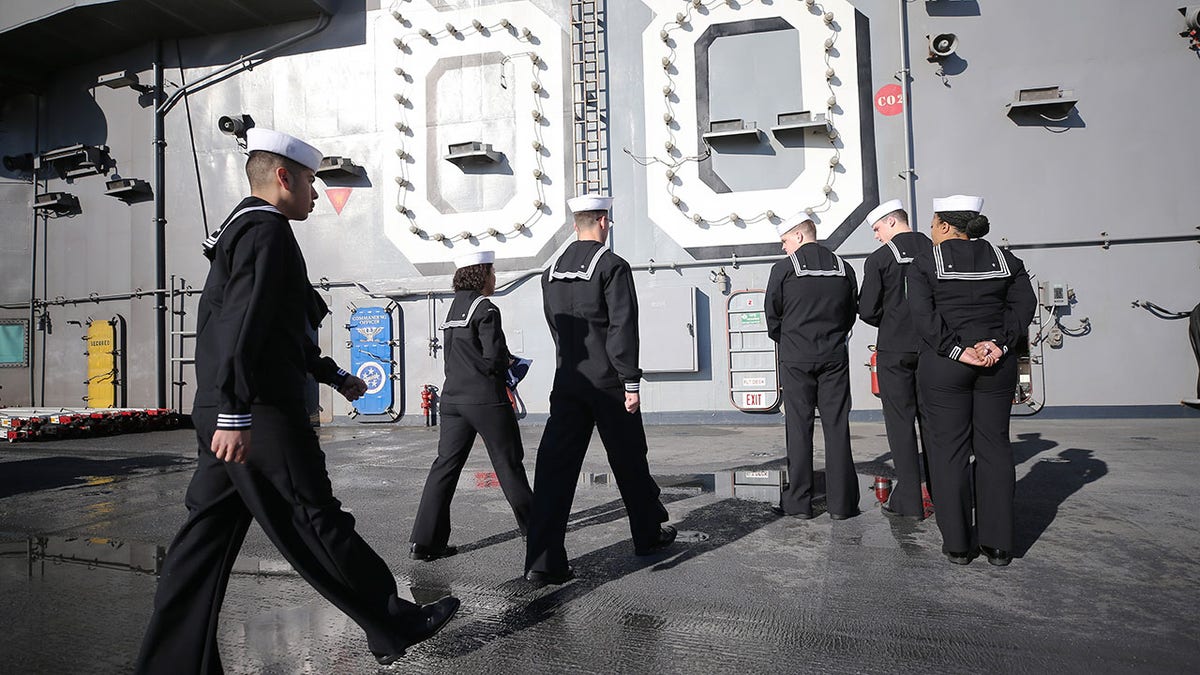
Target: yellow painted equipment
102 364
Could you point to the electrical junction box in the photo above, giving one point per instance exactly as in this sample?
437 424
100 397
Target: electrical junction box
1053 294
667 322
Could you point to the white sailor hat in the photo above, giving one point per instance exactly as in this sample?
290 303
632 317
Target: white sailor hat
281 144
958 203
475 258
788 224
884 209
589 203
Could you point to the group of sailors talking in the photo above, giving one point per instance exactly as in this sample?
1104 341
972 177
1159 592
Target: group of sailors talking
950 312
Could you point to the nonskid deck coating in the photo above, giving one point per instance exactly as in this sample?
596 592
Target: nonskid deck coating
1105 579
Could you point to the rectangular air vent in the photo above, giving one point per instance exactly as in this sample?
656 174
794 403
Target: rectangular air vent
1044 100
799 121
731 129
472 152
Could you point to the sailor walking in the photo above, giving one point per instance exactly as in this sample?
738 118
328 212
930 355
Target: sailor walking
474 403
591 307
882 303
811 305
971 303
253 356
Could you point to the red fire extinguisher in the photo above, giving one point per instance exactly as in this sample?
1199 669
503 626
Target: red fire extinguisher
873 366
883 489
427 394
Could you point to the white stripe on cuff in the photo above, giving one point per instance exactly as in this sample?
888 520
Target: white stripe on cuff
233 421
955 352
342 373
632 386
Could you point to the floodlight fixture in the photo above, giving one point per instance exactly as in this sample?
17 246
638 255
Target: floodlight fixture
123 78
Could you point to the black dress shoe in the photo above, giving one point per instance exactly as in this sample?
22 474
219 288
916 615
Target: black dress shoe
427 553
666 537
434 617
843 516
996 556
778 510
539 578
963 558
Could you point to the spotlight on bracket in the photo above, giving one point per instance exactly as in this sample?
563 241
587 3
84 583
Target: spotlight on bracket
59 203
942 46
123 78
235 125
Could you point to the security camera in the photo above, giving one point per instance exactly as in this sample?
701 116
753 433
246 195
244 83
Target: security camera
18 163
942 46
235 125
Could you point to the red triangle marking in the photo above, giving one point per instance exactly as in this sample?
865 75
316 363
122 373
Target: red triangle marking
338 196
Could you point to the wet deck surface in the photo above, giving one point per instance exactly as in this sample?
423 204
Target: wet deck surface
1107 577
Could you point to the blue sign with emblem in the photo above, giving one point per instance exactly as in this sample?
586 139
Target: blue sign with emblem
371 358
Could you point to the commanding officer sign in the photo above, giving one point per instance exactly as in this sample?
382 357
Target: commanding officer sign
371 358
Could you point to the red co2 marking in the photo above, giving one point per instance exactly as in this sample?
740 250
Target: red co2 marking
889 100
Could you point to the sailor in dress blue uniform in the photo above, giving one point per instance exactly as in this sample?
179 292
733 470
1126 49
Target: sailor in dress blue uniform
882 303
591 307
253 356
811 305
971 302
474 402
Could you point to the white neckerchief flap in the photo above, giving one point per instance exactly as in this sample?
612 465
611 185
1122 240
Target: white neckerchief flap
945 268
803 271
585 272
461 323
211 242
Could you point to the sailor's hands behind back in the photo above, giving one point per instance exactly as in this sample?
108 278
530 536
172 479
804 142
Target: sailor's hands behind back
984 354
971 357
989 352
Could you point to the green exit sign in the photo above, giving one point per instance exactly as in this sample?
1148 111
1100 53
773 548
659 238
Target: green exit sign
753 321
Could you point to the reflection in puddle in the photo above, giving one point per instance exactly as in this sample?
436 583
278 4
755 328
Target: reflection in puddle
486 479
101 509
117 555
691 537
688 484
89 552
295 639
